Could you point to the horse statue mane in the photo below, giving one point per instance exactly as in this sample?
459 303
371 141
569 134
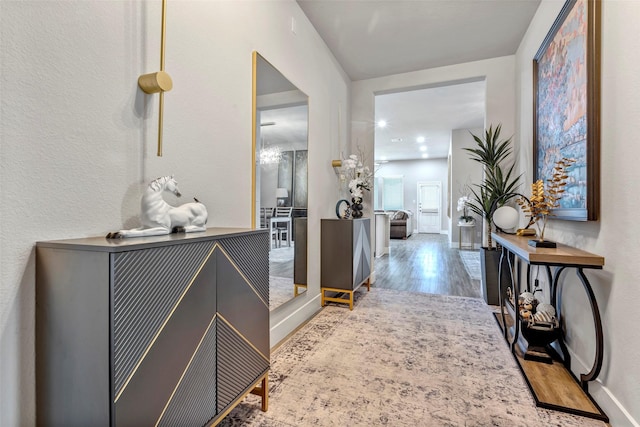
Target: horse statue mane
158 217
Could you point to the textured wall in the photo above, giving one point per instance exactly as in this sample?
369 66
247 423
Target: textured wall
614 236
464 172
79 138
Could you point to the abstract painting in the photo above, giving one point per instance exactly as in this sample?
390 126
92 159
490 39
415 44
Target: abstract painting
566 73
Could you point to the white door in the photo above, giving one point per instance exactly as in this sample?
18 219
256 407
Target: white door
429 207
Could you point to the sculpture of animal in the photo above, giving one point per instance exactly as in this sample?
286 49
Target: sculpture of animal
158 217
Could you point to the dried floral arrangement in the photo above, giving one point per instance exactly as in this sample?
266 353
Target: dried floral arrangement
545 198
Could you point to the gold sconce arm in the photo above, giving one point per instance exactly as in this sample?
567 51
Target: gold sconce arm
158 82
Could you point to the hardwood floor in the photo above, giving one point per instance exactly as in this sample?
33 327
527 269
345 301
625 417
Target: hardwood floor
424 263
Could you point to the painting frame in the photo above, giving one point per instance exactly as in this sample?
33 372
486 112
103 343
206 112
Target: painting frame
566 107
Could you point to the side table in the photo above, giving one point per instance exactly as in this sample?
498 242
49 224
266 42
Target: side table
469 228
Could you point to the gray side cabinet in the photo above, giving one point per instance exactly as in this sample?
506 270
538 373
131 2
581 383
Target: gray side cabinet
345 256
170 330
300 255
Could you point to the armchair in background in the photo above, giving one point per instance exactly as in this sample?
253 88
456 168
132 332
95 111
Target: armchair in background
401 227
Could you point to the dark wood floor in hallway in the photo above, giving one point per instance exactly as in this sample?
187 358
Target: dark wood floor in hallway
425 263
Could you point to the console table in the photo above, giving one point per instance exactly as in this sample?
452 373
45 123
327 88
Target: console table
166 330
571 395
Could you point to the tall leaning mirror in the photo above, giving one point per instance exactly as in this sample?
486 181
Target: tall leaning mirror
280 138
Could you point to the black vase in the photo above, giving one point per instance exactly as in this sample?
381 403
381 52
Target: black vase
489 266
356 207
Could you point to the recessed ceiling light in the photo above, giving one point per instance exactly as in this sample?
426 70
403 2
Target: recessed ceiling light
420 139
425 155
382 123
423 148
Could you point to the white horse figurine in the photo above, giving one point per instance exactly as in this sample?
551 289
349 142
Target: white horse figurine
158 217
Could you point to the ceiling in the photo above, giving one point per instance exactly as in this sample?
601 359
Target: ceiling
419 122
285 127
375 38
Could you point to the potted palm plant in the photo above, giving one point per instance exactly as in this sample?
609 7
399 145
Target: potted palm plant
498 187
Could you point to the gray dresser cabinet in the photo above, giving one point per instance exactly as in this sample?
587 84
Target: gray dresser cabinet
300 255
169 330
345 257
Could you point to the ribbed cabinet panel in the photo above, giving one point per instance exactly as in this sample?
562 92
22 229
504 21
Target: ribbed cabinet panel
148 284
245 251
239 364
195 400
165 330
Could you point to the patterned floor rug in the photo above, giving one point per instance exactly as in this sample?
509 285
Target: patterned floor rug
281 276
283 254
471 261
398 359
280 291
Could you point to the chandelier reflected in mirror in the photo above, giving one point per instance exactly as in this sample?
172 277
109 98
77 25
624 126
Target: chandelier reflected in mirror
272 154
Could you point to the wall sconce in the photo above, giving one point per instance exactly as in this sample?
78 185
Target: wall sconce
337 166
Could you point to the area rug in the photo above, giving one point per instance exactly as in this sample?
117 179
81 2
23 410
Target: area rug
283 254
471 261
280 291
398 359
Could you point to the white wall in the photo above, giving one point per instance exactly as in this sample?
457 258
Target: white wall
413 171
464 172
78 136
615 235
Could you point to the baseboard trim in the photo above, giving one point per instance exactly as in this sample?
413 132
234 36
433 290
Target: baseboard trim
618 415
282 326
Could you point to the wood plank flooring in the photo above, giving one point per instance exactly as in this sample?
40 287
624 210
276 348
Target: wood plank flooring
424 263
552 385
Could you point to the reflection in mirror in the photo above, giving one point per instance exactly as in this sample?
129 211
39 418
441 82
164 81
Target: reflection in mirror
280 139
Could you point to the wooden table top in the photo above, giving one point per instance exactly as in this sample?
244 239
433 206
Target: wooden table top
562 255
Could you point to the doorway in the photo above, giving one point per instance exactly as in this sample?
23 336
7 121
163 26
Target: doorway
429 206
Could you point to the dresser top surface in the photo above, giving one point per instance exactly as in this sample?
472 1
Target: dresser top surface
102 244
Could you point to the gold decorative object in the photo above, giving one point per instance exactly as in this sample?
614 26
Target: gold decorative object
160 81
544 199
525 232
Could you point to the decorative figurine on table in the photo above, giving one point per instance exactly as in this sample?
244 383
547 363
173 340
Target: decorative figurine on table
544 199
540 326
343 213
158 217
